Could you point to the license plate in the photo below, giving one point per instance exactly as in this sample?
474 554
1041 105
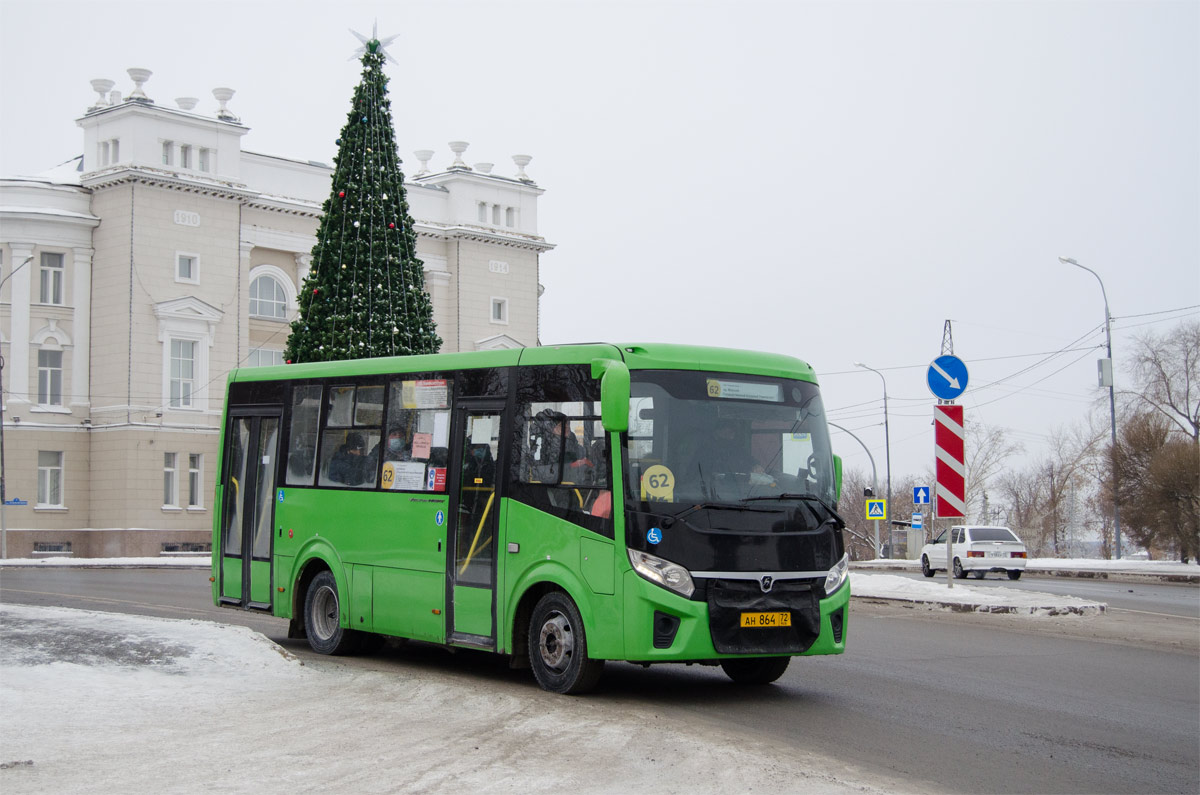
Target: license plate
781 619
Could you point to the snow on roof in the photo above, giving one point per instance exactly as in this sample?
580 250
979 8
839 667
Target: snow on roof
66 173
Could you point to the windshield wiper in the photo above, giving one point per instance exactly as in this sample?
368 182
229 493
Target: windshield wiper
718 506
804 497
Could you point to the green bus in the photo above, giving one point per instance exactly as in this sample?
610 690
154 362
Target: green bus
561 505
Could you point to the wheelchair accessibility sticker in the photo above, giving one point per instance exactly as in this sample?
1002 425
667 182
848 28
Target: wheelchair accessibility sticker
654 535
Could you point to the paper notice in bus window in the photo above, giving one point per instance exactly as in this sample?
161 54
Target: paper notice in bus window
421 444
441 429
481 429
427 394
436 479
744 390
410 476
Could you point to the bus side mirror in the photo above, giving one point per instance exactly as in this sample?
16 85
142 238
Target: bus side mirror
614 393
837 477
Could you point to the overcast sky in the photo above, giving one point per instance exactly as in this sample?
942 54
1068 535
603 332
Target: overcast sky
828 180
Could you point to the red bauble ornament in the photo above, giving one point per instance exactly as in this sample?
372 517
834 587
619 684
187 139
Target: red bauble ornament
289 361
341 194
391 226
315 291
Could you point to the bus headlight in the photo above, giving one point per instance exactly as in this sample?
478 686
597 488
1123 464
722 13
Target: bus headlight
837 575
669 575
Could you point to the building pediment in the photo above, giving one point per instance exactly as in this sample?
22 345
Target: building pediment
188 315
499 342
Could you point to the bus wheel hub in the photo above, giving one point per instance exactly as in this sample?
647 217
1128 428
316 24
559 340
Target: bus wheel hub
557 642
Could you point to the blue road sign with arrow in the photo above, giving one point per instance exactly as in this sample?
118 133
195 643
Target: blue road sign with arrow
947 377
920 495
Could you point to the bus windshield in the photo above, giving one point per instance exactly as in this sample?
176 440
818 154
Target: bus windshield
720 439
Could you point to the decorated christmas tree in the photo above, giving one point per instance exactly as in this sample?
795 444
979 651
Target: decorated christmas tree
365 295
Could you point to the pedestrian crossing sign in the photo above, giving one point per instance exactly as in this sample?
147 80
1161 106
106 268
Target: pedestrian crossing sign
877 509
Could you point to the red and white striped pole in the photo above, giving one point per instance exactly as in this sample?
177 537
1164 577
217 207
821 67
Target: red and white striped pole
949 442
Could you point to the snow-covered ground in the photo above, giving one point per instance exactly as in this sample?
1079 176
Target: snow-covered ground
101 702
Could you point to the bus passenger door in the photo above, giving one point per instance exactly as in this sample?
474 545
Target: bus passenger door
474 508
247 516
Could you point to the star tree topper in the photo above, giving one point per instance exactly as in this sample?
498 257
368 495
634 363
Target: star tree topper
373 44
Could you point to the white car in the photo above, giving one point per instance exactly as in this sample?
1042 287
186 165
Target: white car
977 550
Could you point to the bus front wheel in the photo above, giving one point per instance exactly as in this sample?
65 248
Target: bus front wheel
755 670
558 647
321 617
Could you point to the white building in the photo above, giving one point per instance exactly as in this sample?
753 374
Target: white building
137 275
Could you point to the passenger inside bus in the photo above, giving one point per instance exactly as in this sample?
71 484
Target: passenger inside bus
349 464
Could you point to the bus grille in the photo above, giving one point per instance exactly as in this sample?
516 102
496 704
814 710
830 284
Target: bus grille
728 599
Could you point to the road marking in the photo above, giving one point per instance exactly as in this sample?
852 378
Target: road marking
1148 613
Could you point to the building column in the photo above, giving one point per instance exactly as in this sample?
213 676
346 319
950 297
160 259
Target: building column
243 304
82 331
445 311
16 369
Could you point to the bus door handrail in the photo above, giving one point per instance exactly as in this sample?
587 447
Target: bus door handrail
471 552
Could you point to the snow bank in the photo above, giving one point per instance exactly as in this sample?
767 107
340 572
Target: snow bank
963 597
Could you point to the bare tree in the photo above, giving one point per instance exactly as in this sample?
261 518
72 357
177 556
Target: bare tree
988 448
1052 496
1157 463
1156 472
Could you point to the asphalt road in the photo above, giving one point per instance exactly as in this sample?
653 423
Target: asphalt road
932 701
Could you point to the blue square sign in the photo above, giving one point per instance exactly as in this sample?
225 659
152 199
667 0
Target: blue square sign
920 495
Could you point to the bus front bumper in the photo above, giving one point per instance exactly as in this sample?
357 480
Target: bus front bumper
662 626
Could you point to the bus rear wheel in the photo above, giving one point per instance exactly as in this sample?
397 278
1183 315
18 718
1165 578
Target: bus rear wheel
756 670
558 647
322 609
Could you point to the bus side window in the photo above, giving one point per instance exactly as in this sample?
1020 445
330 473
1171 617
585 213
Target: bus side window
302 436
417 435
351 440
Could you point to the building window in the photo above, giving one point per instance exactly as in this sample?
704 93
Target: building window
267 299
50 372
52 278
499 310
170 480
104 153
168 148
187 268
496 214
483 212
195 480
183 373
264 357
185 157
50 479
205 160
116 150
52 547
510 216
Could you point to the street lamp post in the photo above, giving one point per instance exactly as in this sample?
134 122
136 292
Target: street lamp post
1112 402
887 448
874 477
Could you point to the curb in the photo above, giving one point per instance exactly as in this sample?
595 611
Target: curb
1088 609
